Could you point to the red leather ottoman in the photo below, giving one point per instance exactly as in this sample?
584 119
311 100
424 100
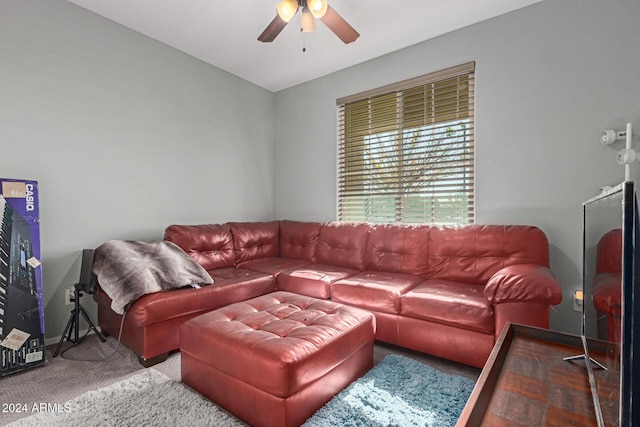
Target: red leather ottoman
276 359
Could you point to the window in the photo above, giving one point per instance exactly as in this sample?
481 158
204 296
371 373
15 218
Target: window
406 151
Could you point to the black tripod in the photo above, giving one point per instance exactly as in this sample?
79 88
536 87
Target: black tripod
73 325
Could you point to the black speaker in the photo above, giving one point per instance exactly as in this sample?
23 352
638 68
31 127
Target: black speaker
86 282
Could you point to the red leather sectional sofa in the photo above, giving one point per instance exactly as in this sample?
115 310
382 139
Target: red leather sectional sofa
446 291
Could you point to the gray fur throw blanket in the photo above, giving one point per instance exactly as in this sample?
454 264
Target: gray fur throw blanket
128 269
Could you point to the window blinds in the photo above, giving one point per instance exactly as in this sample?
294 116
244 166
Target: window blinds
406 151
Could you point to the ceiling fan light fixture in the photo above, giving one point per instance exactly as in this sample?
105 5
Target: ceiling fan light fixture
318 8
287 9
307 22
309 11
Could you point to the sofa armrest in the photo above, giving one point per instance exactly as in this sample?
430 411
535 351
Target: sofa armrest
523 283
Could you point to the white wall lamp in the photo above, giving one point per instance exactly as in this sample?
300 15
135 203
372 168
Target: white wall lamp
626 156
609 136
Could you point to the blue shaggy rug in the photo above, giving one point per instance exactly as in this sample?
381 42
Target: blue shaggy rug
397 392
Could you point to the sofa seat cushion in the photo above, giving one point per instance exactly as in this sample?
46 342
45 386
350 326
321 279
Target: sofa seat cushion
273 265
232 275
313 280
230 285
374 290
456 304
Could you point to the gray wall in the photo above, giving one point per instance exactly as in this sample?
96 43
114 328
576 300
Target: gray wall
125 136
549 79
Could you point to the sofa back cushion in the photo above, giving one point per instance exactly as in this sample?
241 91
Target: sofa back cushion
343 244
211 245
398 249
473 253
298 240
253 240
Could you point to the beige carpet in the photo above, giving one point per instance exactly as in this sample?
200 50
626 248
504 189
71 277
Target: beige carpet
60 379
148 398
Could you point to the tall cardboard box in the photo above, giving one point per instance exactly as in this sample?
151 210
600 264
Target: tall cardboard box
21 309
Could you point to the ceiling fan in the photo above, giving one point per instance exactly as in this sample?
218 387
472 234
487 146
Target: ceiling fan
310 9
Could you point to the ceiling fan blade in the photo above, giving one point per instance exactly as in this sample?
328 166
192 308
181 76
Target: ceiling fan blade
272 30
339 26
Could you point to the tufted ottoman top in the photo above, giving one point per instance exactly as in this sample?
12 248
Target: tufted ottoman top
278 342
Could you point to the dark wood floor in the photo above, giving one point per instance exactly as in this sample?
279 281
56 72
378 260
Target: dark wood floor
529 382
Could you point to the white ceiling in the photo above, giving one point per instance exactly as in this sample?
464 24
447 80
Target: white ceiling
224 33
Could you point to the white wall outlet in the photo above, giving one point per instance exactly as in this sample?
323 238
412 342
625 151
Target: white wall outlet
69 295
